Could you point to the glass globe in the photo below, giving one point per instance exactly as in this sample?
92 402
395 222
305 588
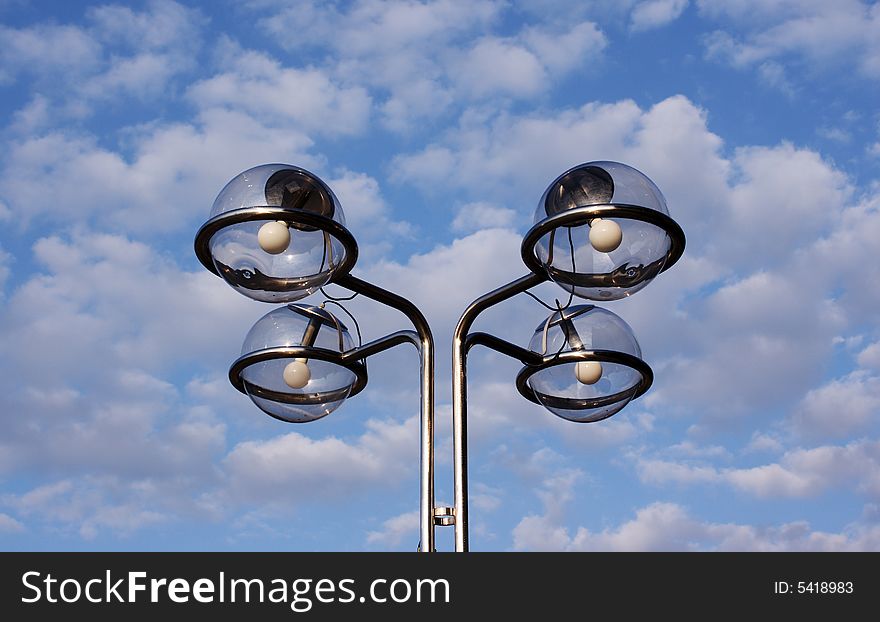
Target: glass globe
272 260
610 257
578 391
297 390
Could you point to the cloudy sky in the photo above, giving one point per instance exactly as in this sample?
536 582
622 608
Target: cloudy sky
439 123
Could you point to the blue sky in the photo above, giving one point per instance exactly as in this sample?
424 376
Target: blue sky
439 124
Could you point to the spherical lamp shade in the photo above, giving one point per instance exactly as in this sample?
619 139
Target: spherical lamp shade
291 365
276 234
602 232
592 365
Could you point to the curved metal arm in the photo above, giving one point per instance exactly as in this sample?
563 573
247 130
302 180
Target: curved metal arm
523 355
380 345
426 351
459 393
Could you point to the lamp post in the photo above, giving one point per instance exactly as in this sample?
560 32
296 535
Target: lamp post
277 234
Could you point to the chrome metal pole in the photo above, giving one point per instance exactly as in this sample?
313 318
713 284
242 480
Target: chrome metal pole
459 395
426 354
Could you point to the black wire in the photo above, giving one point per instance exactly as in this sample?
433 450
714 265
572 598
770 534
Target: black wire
335 299
323 252
561 317
558 306
357 326
538 300
573 270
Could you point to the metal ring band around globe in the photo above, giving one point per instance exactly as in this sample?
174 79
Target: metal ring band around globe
602 356
581 216
297 352
267 213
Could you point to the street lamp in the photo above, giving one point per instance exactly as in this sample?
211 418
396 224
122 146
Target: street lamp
277 234
602 232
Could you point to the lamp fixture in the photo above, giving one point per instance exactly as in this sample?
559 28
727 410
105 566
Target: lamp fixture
277 234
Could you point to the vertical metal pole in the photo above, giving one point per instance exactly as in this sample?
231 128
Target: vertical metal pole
426 452
459 433
459 395
426 352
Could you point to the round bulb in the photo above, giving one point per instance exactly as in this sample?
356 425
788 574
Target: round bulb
274 237
588 372
605 235
297 374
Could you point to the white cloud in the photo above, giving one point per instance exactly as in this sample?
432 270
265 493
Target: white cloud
135 449
396 530
804 191
831 259
126 317
78 64
562 51
546 532
91 507
509 155
33 116
670 527
870 356
836 134
120 294
810 34
166 184
510 159
799 472
52 48
478 215
763 442
308 469
692 450
164 25
442 281
367 213
839 408
5 260
663 526
652 14
401 50
484 498
143 76
259 85
495 67
9 524
773 75
422 59
370 24
523 66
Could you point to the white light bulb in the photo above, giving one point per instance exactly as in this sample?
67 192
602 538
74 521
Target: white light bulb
274 237
605 235
297 374
588 372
